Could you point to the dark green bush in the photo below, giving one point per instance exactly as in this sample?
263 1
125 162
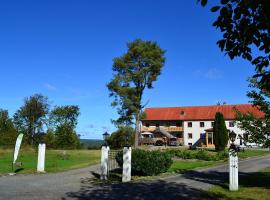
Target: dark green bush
147 163
203 155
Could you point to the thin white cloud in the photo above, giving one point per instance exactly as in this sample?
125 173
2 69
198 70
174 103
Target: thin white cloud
211 74
50 87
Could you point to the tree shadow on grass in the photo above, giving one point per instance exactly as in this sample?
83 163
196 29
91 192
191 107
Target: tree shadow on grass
150 190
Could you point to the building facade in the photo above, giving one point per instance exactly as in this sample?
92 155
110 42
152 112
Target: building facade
193 125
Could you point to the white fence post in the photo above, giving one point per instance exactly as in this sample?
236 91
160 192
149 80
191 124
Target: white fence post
126 164
233 164
41 157
104 162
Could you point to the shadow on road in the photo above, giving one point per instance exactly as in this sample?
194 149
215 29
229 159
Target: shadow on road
152 190
161 189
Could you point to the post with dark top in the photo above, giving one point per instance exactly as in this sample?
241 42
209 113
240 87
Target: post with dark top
104 158
126 177
233 163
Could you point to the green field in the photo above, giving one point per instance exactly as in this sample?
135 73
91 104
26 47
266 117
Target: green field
56 160
179 166
253 186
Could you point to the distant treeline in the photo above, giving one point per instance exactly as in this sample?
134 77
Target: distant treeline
38 121
91 143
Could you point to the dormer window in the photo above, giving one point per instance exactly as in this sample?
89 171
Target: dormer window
182 112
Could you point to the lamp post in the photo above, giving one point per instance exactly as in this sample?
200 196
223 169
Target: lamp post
127 139
233 163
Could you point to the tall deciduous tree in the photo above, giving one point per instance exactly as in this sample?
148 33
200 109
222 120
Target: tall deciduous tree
8 132
257 128
221 135
64 120
134 71
245 25
31 117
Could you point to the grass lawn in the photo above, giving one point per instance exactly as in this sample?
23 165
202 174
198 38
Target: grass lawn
179 166
56 160
253 186
251 153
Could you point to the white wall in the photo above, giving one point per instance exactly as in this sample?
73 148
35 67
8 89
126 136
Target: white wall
196 130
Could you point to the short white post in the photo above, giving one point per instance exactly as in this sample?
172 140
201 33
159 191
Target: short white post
126 164
233 164
41 158
104 162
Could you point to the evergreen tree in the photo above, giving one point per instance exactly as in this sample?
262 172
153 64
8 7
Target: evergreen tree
8 132
135 71
221 135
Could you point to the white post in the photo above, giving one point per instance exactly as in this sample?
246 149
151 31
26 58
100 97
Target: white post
126 164
233 164
104 162
41 158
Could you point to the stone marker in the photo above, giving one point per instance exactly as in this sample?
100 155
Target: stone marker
41 158
104 162
126 164
233 162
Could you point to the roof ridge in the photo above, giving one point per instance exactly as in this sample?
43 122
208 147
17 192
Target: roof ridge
247 104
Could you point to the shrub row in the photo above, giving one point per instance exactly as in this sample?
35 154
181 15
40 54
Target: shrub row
197 154
147 163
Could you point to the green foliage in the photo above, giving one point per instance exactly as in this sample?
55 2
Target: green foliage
50 139
134 71
200 154
31 117
64 120
8 132
256 128
117 139
246 28
221 135
67 115
66 137
147 163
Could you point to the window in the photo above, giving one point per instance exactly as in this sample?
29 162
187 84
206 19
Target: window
189 124
202 136
201 124
231 124
212 124
147 124
178 124
157 125
190 136
189 144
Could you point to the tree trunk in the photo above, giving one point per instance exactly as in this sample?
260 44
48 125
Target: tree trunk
137 131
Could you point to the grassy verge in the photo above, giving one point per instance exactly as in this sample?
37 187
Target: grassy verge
180 166
252 186
252 153
56 160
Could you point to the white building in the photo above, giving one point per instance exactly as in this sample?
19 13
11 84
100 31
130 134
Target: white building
193 125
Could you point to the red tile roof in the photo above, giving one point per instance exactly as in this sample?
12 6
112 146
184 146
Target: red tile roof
199 112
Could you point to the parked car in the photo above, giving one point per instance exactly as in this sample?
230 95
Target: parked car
173 142
149 139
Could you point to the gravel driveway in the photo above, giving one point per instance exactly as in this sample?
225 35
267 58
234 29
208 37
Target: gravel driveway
72 184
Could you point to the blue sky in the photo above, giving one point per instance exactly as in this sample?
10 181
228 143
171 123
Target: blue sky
64 50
